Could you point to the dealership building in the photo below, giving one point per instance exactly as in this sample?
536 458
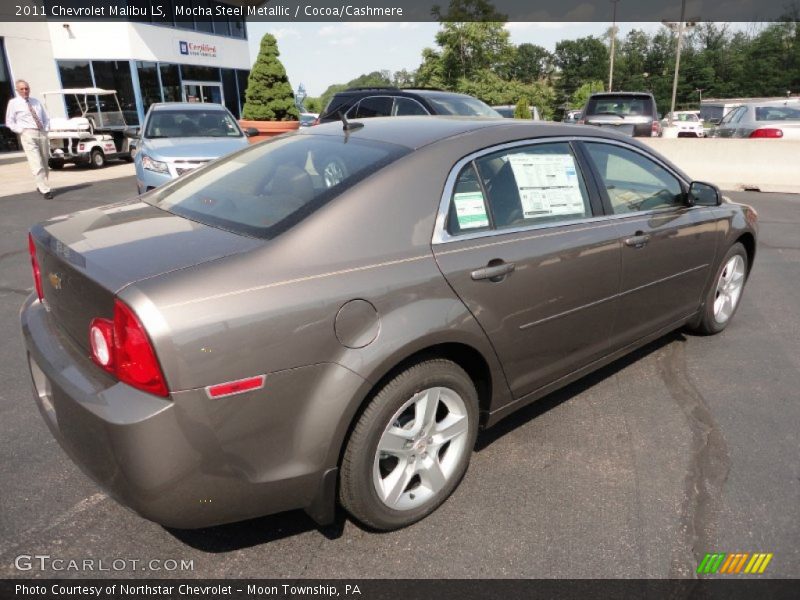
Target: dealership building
145 60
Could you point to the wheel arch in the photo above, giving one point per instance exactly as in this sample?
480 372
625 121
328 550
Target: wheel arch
748 240
464 355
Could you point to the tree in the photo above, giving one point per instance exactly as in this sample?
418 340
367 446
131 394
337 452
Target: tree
530 63
581 60
522 110
581 95
269 95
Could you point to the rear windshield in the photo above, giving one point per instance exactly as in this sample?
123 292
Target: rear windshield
777 113
464 106
268 188
191 123
620 105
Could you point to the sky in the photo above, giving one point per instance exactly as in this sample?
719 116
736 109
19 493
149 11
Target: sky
320 54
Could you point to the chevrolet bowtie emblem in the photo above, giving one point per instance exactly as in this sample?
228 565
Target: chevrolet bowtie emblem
55 280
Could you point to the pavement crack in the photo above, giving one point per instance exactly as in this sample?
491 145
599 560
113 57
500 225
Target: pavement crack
6 255
708 467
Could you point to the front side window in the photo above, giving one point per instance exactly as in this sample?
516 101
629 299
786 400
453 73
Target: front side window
632 181
268 188
519 187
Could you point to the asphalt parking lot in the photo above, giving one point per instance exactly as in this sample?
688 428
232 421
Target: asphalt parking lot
690 445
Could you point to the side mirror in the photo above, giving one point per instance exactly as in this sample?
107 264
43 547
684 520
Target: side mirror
703 194
251 131
714 121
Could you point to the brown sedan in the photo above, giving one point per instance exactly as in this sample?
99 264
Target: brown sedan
335 313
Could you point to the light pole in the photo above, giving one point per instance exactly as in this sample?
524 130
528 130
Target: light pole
679 27
613 46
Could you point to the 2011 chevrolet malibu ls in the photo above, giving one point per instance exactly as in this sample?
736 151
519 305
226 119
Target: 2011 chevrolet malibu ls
335 313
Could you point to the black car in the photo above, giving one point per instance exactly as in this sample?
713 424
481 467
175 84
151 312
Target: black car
631 113
362 103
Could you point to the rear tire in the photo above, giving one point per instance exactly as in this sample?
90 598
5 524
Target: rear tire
726 290
56 163
411 446
97 160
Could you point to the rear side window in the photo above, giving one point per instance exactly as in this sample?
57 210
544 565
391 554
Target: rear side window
465 106
620 105
520 187
404 107
377 106
268 188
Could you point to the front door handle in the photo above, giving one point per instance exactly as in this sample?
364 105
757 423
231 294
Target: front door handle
639 240
493 272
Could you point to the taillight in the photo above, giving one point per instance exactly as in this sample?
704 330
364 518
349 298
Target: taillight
123 348
581 121
37 274
315 122
101 340
767 132
655 130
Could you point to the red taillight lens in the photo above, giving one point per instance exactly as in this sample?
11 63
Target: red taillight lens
581 122
135 361
123 348
37 274
767 132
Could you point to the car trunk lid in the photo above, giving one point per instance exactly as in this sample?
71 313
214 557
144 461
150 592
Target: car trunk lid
87 258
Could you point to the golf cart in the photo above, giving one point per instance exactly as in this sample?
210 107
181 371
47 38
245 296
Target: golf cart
95 134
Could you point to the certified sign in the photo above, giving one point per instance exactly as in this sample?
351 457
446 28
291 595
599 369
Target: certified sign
202 50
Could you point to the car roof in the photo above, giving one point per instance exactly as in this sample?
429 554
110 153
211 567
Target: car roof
417 132
186 106
391 91
621 94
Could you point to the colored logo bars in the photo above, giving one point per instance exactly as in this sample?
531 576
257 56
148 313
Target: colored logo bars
734 564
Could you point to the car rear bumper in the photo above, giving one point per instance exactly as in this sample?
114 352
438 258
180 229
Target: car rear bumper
189 461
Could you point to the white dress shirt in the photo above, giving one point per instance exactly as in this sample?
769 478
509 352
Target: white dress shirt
19 117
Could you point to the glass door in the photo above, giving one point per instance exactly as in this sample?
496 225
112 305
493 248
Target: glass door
202 91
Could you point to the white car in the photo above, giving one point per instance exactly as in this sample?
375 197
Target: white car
688 123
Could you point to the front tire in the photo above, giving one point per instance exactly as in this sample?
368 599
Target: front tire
411 446
725 293
97 160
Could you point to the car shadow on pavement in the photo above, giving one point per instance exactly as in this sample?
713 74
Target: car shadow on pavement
245 534
550 401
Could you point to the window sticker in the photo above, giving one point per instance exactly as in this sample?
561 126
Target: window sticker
470 210
548 184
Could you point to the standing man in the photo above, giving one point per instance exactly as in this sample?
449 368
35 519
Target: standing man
26 117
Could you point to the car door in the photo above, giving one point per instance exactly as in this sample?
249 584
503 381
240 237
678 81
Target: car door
667 247
518 240
727 127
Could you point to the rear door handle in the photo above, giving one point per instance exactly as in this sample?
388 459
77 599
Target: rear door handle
493 272
639 240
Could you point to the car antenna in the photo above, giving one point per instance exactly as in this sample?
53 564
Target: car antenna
347 125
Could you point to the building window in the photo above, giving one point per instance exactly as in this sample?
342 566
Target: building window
196 73
75 74
230 92
237 28
116 75
8 139
148 84
241 79
204 24
170 82
221 25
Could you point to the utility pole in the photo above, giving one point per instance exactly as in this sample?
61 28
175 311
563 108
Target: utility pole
677 63
613 46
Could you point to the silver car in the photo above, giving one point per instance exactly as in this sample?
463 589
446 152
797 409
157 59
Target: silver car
761 120
178 137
